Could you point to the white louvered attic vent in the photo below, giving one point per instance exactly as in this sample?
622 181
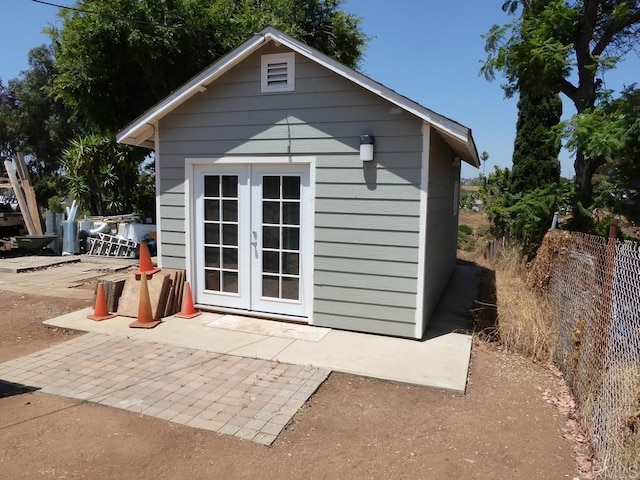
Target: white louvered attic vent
278 72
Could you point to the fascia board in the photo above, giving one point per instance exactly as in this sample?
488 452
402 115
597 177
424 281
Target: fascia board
195 85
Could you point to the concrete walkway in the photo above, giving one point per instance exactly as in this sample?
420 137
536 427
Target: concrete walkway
440 362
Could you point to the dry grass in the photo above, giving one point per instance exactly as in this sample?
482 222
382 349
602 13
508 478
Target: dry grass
508 310
524 321
613 418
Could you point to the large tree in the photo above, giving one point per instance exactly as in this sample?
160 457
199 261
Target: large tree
42 125
567 46
612 131
537 144
118 57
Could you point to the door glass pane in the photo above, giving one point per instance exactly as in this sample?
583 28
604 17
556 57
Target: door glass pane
270 286
290 263
290 288
212 210
271 237
230 258
220 209
291 238
270 262
229 186
281 236
291 213
212 186
230 210
212 233
271 212
291 187
270 187
212 280
230 282
212 257
230 234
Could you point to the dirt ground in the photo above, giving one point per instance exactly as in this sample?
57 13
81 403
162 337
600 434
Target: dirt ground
352 428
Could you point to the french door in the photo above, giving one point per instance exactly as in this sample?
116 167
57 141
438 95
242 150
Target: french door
252 225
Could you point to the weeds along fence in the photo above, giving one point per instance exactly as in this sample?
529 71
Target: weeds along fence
593 285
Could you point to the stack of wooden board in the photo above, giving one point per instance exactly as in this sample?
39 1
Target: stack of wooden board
166 289
25 194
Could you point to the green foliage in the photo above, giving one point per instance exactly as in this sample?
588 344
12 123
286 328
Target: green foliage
124 56
466 200
55 204
466 241
465 229
532 49
526 216
111 60
103 176
41 126
566 46
496 198
531 215
537 143
612 131
8 129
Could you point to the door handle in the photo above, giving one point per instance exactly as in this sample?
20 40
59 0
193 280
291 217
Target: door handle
254 239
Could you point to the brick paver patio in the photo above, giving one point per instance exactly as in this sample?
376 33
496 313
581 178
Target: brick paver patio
247 398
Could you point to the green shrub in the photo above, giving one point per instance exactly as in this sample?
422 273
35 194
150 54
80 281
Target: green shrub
464 229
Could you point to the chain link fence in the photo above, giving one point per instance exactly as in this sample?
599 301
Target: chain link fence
593 284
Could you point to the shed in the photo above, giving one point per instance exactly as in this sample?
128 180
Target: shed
265 198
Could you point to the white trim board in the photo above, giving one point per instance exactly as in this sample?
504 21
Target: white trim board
193 165
422 234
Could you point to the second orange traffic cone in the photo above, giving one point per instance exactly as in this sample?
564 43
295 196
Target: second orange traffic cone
188 310
145 315
146 265
100 309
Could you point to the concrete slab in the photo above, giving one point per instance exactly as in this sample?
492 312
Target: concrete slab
17 264
440 362
273 329
61 281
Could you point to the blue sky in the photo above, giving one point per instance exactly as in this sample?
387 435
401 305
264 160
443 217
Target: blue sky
427 50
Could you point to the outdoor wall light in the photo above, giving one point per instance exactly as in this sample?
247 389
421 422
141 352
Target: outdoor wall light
366 148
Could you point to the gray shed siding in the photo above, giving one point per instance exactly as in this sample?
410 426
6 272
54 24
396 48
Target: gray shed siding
442 222
367 216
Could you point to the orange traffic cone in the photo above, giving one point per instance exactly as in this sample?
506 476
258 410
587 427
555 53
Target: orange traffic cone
100 309
145 316
188 310
146 265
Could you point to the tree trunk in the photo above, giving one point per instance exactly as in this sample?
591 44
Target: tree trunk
585 168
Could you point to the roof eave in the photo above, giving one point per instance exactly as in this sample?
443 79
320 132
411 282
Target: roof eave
134 133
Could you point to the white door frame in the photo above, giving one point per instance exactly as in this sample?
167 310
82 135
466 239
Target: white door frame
195 165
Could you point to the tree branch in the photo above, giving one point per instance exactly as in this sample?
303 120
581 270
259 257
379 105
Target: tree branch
612 29
570 90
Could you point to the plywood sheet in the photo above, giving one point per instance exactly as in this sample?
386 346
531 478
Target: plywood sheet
158 285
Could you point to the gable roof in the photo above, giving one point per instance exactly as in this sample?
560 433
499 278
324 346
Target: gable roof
141 131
